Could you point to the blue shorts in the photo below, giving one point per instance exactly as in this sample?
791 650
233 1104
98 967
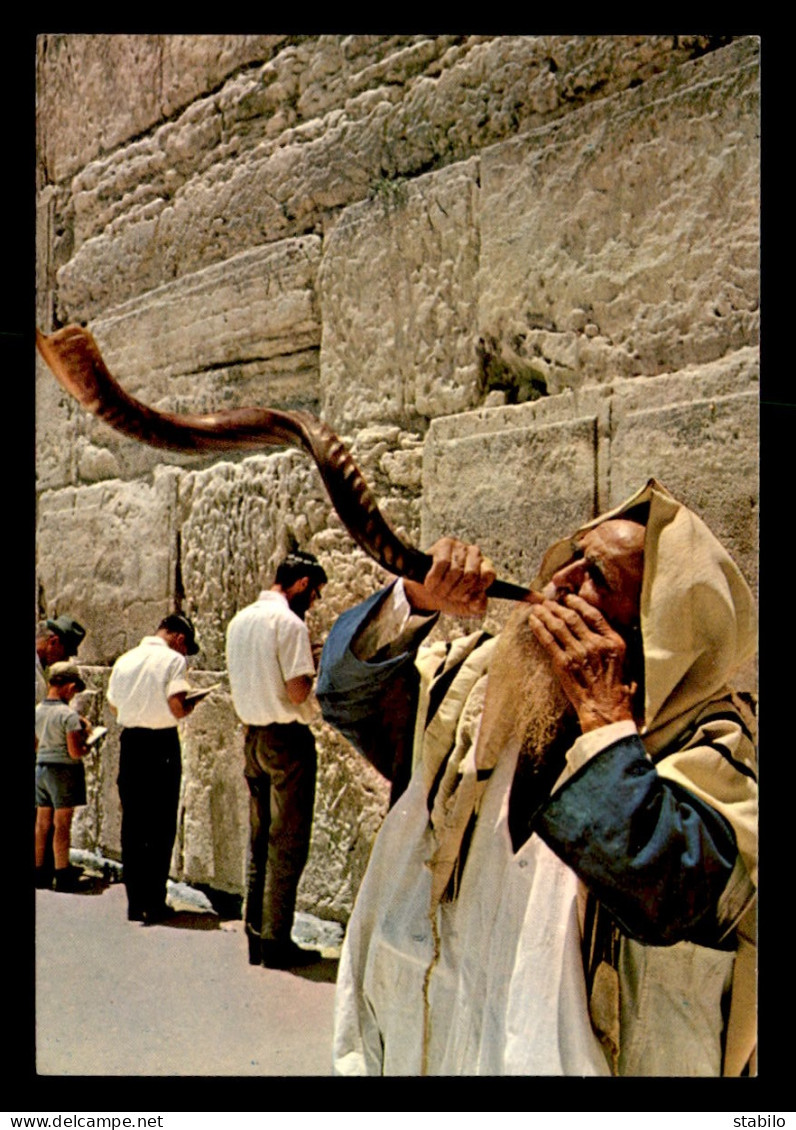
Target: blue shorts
60 786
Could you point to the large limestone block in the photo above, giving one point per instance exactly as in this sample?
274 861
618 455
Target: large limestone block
54 247
107 555
516 478
60 425
698 433
399 303
262 159
213 821
254 307
85 83
242 333
297 86
266 194
446 96
623 239
45 241
512 479
488 88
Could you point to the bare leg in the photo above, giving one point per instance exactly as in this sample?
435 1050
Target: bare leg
44 823
61 838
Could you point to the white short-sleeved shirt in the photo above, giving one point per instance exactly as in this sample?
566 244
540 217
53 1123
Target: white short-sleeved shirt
267 645
141 682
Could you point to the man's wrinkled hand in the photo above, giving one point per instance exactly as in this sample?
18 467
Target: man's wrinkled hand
589 658
456 583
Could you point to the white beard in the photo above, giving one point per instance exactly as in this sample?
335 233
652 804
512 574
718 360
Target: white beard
525 712
525 705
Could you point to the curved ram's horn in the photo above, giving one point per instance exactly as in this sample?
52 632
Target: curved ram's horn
73 356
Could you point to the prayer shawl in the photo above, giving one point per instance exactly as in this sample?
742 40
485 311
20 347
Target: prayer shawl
517 973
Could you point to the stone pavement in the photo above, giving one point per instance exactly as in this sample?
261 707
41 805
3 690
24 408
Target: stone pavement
179 999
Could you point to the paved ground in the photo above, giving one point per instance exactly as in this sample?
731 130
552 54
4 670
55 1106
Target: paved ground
118 998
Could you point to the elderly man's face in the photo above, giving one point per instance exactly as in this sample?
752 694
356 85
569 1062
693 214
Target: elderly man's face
606 571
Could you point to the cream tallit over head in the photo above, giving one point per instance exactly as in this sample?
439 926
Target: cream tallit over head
698 616
698 624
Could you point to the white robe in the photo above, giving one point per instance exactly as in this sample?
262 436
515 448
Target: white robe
510 937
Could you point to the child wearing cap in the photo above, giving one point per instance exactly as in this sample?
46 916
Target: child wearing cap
60 778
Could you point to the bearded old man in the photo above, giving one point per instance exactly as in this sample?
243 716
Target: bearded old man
566 885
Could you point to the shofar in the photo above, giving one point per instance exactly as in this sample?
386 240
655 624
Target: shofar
74 358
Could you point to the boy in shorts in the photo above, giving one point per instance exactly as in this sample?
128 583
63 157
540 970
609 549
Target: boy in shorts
60 778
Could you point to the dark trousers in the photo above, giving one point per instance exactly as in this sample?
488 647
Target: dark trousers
280 773
149 789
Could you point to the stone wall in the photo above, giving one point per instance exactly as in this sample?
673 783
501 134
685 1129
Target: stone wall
518 274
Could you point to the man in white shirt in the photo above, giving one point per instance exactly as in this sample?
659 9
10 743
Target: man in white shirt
146 691
271 671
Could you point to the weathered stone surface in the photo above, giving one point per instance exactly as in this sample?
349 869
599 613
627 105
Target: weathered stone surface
396 231
240 519
96 826
243 333
45 241
397 289
697 432
60 432
317 129
210 847
623 240
511 479
350 803
85 83
237 203
489 88
254 307
107 555
516 478
237 521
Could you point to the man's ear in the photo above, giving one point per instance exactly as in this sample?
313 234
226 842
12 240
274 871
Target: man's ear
301 584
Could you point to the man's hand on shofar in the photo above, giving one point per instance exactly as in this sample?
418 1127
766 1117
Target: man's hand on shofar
589 658
457 581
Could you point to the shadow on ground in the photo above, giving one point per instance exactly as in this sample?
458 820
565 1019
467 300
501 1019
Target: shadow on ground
191 920
324 971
